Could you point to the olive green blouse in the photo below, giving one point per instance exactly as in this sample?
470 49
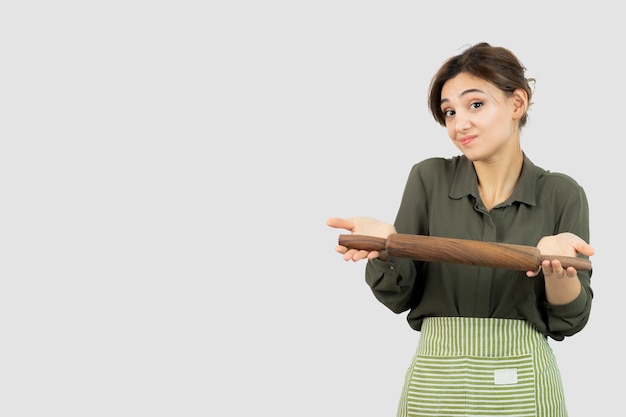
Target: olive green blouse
441 199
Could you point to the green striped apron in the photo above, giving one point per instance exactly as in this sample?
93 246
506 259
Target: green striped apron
477 367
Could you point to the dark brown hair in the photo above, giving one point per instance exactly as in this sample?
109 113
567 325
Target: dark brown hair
494 64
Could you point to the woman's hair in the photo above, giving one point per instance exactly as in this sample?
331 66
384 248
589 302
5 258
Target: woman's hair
496 65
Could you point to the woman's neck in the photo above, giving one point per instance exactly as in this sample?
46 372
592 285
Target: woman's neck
497 178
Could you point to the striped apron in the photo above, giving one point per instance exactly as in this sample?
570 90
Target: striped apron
477 367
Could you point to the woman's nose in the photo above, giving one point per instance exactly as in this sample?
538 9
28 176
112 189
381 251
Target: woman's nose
461 122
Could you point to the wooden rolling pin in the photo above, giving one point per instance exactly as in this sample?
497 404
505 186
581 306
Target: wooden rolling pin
460 251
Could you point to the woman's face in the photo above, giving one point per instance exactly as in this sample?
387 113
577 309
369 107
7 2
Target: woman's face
480 119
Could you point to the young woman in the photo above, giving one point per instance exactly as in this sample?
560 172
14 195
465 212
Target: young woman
483 346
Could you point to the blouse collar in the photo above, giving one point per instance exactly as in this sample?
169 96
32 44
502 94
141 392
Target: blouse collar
465 182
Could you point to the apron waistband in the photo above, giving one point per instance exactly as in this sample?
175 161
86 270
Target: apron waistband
473 336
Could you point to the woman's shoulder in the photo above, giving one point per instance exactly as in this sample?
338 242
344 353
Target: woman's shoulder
439 165
559 177
561 187
440 162
556 182
555 178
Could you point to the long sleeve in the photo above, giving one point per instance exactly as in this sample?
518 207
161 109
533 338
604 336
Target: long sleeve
392 282
571 215
395 282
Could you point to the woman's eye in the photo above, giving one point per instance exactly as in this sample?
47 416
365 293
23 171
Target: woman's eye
448 113
476 104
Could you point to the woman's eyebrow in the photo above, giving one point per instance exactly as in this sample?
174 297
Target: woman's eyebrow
470 90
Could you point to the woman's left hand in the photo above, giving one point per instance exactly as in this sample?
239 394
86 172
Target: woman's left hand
563 244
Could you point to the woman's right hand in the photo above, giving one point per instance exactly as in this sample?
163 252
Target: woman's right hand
362 226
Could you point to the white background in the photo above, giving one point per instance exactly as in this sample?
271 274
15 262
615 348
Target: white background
167 168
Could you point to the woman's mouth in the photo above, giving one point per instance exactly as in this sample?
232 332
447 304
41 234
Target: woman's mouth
465 140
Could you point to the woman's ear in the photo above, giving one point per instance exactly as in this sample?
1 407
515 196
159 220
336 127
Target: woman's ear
520 103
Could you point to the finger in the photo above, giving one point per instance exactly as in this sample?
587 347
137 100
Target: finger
581 246
546 267
557 268
362 254
586 249
532 274
341 249
373 254
349 255
340 223
333 221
